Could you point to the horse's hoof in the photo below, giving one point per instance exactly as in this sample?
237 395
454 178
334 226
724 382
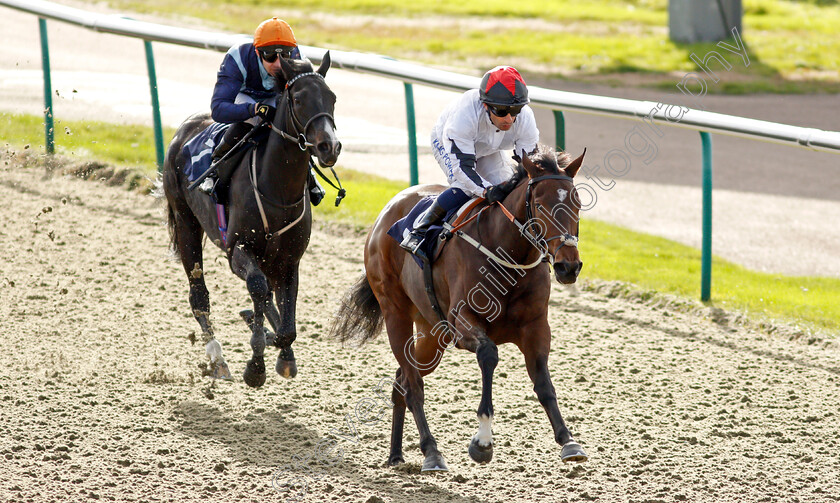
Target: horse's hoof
572 451
254 374
434 463
480 454
248 316
286 368
220 370
396 459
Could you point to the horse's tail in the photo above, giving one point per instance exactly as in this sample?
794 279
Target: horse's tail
359 316
170 224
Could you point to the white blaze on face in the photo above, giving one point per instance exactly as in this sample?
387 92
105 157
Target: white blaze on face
562 193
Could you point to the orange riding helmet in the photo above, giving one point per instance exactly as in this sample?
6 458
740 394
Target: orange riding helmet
274 31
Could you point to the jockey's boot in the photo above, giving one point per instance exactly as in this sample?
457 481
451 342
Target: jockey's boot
316 192
415 238
224 170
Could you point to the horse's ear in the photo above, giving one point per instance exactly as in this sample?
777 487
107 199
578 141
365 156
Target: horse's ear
574 166
325 64
286 67
529 166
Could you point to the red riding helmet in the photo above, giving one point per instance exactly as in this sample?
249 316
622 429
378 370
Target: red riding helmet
503 86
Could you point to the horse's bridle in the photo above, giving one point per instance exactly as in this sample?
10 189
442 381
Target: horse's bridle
299 129
568 239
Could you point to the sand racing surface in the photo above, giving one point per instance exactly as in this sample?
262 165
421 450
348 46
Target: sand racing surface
102 397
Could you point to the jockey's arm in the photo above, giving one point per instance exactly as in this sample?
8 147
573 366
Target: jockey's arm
229 81
462 171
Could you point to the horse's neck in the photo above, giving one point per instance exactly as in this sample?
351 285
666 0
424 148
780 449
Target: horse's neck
508 237
284 168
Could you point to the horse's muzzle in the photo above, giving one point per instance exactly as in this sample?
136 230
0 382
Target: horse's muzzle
567 272
327 152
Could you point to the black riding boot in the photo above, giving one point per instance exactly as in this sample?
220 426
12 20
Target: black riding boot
316 192
224 170
415 238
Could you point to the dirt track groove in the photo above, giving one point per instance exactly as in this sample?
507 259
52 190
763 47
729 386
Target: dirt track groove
102 398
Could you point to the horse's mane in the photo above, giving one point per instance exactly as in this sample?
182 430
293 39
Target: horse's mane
299 66
549 161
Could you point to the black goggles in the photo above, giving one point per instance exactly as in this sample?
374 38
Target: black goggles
504 111
271 56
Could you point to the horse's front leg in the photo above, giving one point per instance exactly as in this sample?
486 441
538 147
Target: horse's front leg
286 331
245 266
535 345
475 339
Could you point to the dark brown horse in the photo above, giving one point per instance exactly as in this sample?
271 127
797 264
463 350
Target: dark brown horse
269 220
492 294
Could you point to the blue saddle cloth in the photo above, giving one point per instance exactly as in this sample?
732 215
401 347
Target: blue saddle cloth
199 150
403 226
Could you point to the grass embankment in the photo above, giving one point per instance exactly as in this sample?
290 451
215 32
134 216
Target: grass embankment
610 253
792 45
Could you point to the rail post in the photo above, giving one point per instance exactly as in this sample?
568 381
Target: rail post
560 130
153 88
706 254
413 175
49 127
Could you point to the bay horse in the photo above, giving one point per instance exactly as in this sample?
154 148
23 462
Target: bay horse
269 216
488 299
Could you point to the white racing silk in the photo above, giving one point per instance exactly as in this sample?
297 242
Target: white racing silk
468 147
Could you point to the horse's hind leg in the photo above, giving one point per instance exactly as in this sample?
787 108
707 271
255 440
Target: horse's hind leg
397 423
188 243
245 266
399 334
535 347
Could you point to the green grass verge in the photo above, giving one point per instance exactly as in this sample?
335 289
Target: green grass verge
125 146
610 253
792 44
614 253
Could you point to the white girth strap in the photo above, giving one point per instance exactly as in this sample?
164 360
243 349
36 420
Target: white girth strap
258 197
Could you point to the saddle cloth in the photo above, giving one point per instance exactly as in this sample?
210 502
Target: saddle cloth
199 150
403 226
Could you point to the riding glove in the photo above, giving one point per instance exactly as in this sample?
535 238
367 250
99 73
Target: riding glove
494 194
264 112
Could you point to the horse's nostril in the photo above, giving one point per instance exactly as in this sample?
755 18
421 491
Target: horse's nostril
566 268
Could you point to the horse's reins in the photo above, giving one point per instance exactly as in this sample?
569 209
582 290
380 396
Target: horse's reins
568 239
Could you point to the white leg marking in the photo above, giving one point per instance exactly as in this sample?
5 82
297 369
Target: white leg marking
485 431
213 350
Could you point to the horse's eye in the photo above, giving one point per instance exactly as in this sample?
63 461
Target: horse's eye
297 101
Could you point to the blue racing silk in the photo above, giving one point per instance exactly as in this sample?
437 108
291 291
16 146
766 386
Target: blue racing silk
242 72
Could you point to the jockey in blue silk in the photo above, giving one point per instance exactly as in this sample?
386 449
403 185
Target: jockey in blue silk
467 142
245 93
